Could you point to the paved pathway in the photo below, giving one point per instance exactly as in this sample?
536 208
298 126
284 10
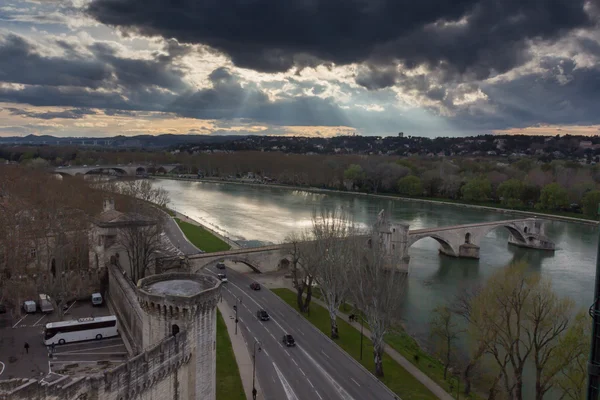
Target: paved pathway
240 349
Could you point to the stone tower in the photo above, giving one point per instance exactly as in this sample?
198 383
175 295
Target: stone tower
178 301
393 237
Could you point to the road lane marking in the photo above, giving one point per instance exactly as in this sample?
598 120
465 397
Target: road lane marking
286 352
255 302
19 321
97 348
289 393
70 307
318 395
358 384
302 333
310 383
36 322
272 336
325 354
343 394
294 361
265 351
301 371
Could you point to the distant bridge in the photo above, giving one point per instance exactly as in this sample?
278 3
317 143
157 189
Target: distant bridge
119 169
456 241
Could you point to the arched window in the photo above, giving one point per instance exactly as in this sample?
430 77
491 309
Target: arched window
175 329
468 238
525 230
53 267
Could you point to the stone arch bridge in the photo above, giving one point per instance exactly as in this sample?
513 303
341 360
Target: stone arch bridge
124 170
455 241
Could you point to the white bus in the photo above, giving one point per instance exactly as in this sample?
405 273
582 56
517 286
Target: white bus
80 329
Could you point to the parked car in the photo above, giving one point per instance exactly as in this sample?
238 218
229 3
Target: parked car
289 341
220 265
97 299
44 303
29 306
262 315
222 277
254 286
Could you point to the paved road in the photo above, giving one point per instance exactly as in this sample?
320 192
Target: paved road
178 239
313 370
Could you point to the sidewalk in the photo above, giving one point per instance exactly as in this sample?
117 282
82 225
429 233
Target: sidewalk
436 389
240 349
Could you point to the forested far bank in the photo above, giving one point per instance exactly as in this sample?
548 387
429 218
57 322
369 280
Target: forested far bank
523 183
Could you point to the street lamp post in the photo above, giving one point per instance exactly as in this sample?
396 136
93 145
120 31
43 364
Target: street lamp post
235 307
254 391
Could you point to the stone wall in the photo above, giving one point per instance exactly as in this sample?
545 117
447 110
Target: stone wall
161 372
123 299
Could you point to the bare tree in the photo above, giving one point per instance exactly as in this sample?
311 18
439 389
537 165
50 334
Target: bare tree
518 319
332 250
301 269
444 332
376 286
142 239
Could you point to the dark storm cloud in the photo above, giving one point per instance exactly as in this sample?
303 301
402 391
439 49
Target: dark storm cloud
76 113
560 95
21 62
271 35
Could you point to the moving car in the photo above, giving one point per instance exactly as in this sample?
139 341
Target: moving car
288 340
222 277
254 286
262 315
220 265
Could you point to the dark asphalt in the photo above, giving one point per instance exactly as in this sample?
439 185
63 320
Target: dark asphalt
178 239
314 369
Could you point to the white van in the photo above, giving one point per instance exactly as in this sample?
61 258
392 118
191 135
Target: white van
96 299
44 303
29 306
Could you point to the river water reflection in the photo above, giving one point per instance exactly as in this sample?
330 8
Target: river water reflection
259 215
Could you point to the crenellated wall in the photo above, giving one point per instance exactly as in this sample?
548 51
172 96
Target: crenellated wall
161 372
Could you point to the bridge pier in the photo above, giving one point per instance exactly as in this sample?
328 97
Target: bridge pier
539 242
466 250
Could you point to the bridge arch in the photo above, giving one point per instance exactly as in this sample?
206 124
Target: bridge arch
518 233
446 245
236 259
140 170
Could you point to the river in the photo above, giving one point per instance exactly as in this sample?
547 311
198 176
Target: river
254 216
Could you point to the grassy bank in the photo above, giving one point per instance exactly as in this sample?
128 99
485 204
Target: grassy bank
396 378
201 238
229 383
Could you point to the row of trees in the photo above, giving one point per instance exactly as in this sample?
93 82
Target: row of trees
47 226
515 324
332 255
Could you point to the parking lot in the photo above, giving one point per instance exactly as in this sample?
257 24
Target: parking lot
71 358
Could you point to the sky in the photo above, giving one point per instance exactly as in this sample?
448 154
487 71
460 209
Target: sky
96 68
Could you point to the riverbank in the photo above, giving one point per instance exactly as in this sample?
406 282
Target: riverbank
535 214
187 220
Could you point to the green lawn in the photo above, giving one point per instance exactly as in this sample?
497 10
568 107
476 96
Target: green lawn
396 378
229 383
201 238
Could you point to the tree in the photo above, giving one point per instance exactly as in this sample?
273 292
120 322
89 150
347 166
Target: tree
301 268
511 193
477 189
410 186
376 287
142 239
355 174
333 250
444 332
517 319
553 197
590 203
